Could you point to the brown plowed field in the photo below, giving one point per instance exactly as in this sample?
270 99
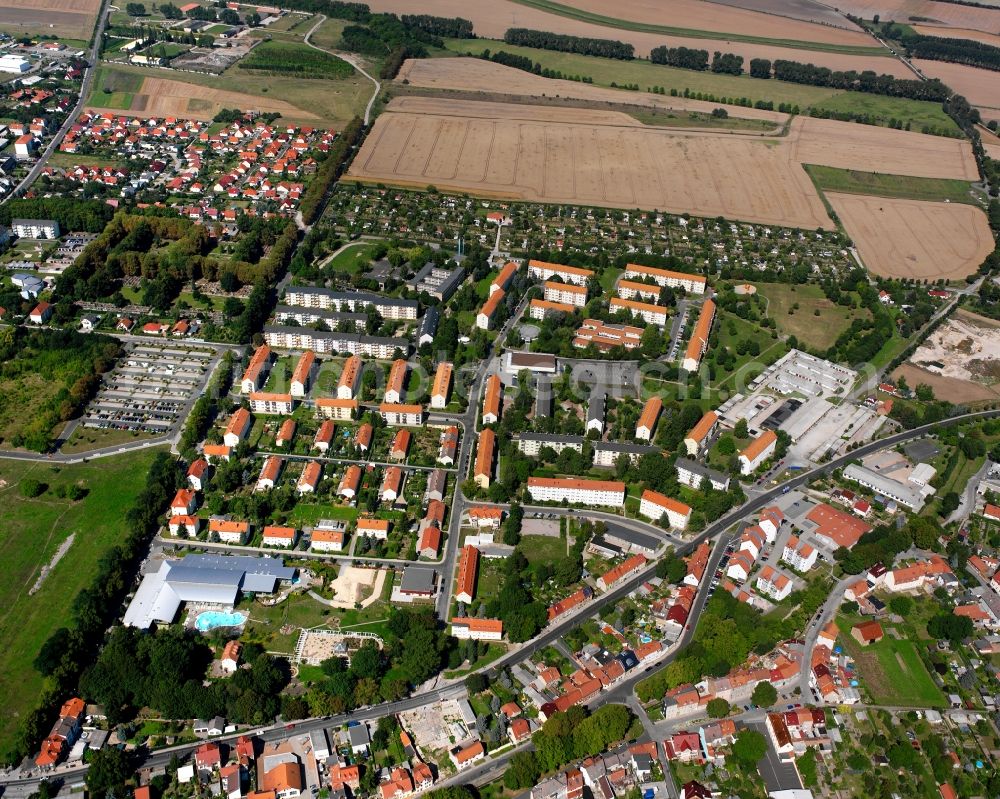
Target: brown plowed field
703 16
958 33
846 145
952 15
477 75
160 97
492 19
910 238
806 10
981 87
574 155
950 389
70 18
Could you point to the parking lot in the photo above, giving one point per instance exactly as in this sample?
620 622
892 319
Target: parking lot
150 388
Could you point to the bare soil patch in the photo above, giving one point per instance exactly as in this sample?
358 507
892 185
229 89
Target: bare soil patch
950 389
981 87
163 97
492 20
699 15
477 75
911 238
492 149
952 15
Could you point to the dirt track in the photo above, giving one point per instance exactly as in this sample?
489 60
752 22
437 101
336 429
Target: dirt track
911 238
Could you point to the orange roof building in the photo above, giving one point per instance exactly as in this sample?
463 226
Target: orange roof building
840 528
758 451
608 493
256 371
350 482
504 276
699 337
484 319
477 629
397 379
621 571
483 474
468 568
442 385
302 375
647 420
492 399
699 435
350 378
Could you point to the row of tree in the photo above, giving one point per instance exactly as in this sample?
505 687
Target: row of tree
563 43
956 51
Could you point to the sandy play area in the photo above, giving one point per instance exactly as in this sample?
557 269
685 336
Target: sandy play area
356 585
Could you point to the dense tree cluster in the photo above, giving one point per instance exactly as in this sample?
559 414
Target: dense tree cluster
682 57
446 27
89 216
867 81
72 361
727 63
956 51
563 43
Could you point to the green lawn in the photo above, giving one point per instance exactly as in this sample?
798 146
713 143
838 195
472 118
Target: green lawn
352 258
31 532
543 548
733 331
891 670
918 113
627 24
819 332
114 88
309 514
852 181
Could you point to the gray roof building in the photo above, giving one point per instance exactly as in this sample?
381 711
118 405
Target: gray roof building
438 281
428 326
418 580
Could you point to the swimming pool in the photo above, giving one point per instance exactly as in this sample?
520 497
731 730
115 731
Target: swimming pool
211 619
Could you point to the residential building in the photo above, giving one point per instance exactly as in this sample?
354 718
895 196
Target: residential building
492 399
400 445
285 778
576 491
267 403
437 281
302 376
532 444
324 436
486 315
798 554
693 284
277 536
463 757
542 270
607 453
188 525
867 632
229 531
350 378
402 415
543 309
350 482
654 505
468 569
699 337
485 454
286 433
624 569
41 313
693 474
448 446
646 425
650 314
504 276
392 482
338 410
256 371
774 583
184 503
387 307
430 542
606 336
373 528
230 660
631 290
477 629
310 477
565 293
325 540
397 380
332 342
363 437
442 385
595 411
428 326
758 451
699 436
35 228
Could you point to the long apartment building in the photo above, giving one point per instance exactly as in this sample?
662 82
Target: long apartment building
486 315
334 320
646 425
397 379
699 435
531 444
492 400
396 415
693 474
632 290
302 376
316 297
269 403
256 371
442 385
544 309
694 284
504 276
607 453
649 313
350 378
699 337
485 453
542 270
326 343
576 491
468 568
339 410
565 293
654 505
605 336
758 451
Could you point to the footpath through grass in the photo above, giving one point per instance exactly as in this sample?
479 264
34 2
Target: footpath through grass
694 33
852 181
31 533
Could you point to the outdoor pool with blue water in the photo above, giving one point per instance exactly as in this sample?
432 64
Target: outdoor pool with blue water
211 619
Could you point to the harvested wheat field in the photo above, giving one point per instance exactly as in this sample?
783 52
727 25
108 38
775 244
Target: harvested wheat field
981 87
703 16
161 97
73 19
846 145
915 239
572 155
477 75
806 10
958 33
492 19
926 12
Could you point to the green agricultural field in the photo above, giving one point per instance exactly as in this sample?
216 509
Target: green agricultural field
852 181
918 113
803 321
632 25
892 671
31 533
114 88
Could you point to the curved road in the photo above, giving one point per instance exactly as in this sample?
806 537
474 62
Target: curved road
351 59
557 630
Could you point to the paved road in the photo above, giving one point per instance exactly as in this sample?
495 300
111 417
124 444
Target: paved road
85 86
351 59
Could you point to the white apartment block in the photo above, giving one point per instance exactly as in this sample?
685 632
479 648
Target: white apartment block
800 556
531 444
402 415
693 474
695 284
265 403
650 314
654 505
597 493
630 290
35 228
387 307
325 343
566 293
568 274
